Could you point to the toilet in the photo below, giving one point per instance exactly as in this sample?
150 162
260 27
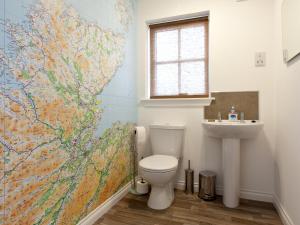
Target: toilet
160 168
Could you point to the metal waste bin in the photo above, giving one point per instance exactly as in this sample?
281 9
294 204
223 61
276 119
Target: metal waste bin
207 185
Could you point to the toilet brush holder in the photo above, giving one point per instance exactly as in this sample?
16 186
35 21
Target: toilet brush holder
189 180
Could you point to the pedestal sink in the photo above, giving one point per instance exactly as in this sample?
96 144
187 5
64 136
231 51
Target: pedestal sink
231 133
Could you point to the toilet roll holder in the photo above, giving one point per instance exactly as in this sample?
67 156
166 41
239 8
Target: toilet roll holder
139 186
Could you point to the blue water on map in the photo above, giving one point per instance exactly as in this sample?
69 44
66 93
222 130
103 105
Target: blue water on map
118 98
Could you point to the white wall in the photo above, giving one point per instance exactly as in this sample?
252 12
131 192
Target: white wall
287 168
237 31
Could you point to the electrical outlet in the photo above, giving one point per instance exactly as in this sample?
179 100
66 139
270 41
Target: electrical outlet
260 59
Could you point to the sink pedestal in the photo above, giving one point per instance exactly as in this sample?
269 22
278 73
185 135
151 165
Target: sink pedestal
231 172
231 133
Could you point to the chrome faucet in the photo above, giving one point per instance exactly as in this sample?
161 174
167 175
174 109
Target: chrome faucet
242 118
219 117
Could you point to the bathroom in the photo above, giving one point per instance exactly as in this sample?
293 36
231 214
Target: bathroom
78 105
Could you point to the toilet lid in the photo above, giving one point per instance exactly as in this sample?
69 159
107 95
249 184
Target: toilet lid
159 163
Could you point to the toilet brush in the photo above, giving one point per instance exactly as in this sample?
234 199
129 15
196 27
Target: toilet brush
189 179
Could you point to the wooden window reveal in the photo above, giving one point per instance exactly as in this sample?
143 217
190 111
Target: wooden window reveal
179 59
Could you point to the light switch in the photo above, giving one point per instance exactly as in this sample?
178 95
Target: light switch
260 59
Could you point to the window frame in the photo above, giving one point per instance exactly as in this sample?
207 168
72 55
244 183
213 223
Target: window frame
153 28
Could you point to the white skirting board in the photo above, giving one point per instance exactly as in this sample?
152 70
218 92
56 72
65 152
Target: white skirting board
93 216
282 212
251 195
246 194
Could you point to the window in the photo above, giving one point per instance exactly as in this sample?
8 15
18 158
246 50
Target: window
179 59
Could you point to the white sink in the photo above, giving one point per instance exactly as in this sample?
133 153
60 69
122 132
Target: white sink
228 129
231 133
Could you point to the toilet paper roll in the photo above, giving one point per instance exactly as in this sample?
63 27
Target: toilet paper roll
142 187
140 139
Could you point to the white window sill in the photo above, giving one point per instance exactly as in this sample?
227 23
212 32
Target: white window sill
176 102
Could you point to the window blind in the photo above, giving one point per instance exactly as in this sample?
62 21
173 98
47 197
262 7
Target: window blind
179 59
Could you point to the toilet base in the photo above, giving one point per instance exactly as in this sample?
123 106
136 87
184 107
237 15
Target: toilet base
161 197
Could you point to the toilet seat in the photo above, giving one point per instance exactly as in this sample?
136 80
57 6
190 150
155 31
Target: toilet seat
159 163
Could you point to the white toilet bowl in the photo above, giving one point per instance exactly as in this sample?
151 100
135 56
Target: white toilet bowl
159 171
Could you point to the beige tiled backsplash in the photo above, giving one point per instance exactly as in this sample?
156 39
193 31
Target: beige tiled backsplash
247 102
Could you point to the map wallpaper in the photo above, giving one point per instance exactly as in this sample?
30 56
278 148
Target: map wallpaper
68 107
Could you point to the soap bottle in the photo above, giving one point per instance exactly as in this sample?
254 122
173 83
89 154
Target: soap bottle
232 115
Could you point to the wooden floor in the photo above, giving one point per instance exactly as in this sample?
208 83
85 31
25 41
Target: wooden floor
189 210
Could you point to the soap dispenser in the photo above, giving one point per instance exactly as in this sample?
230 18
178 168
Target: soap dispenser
232 115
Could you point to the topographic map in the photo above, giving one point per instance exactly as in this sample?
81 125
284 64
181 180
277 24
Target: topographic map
54 167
